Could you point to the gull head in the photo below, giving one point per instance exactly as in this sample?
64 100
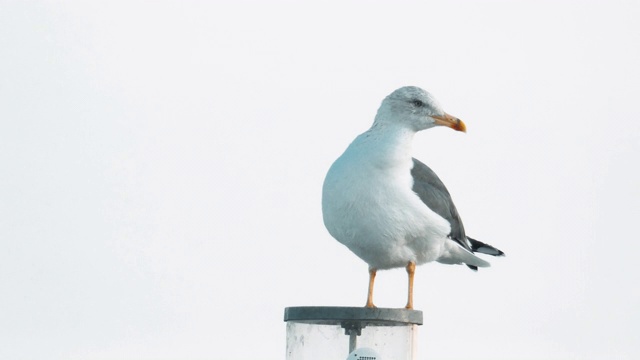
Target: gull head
413 108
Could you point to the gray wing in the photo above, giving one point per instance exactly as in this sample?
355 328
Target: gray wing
428 186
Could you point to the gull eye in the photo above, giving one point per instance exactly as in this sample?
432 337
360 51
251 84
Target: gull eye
417 103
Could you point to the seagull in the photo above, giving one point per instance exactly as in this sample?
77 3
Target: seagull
389 208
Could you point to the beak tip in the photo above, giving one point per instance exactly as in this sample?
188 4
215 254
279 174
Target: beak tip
460 126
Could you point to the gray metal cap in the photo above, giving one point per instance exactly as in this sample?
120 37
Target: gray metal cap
337 315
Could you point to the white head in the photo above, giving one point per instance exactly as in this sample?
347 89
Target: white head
416 109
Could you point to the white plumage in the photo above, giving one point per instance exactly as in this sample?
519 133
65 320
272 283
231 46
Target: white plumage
369 206
371 202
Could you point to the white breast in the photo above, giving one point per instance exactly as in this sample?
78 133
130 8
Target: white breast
368 205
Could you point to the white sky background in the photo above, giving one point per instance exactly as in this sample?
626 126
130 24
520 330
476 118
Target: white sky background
161 166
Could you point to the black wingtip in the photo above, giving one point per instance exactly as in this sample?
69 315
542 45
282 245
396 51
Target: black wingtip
472 267
479 246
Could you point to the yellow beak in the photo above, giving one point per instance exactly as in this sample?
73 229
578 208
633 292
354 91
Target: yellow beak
450 121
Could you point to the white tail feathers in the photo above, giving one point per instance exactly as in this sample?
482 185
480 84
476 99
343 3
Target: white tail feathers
456 254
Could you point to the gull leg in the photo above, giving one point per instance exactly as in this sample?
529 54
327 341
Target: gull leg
372 276
411 270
